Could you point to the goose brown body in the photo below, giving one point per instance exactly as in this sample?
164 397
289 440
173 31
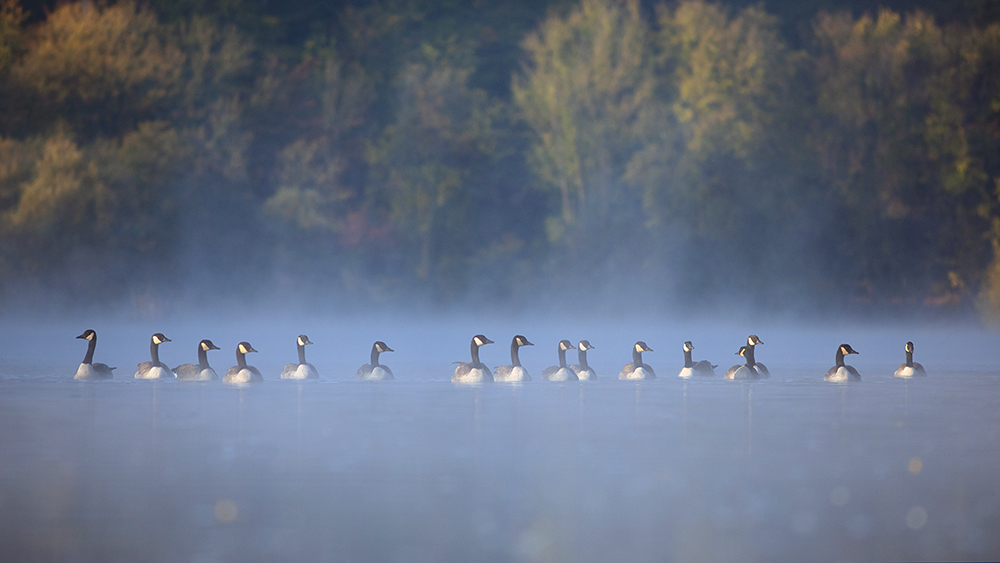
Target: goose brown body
302 369
582 369
241 372
840 371
692 368
636 369
909 368
89 370
562 371
200 371
375 371
513 372
154 369
474 371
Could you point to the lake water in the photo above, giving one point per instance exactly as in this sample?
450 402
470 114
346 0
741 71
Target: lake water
421 470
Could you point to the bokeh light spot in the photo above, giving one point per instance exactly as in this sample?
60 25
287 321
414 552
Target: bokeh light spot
226 511
839 496
916 518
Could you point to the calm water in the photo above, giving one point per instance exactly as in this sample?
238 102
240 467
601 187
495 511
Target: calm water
420 469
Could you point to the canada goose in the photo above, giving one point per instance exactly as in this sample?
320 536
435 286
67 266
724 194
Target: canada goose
474 371
241 372
745 371
636 369
303 369
754 369
515 371
202 371
704 367
375 371
154 369
910 368
583 370
841 372
560 372
88 369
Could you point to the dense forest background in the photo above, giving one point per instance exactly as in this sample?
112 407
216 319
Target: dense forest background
635 156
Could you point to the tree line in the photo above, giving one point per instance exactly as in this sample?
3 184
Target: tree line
690 151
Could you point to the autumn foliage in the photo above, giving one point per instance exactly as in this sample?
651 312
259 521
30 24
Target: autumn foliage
693 150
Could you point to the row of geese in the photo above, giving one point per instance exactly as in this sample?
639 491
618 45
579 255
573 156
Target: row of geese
475 371
202 371
466 372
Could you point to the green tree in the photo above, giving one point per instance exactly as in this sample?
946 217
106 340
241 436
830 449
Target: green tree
11 18
311 191
582 91
317 200
718 165
109 201
117 102
101 69
891 138
427 167
980 81
63 203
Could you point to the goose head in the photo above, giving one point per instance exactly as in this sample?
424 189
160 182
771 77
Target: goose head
88 334
520 340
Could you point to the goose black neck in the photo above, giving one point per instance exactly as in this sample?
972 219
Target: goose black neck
636 357
475 355
562 357
202 357
154 352
241 359
375 354
687 359
582 356
302 354
91 346
840 357
909 359
748 354
515 360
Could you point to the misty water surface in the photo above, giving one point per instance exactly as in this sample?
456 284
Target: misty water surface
419 469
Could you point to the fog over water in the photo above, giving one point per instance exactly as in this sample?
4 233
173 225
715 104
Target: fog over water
427 343
420 469
419 172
